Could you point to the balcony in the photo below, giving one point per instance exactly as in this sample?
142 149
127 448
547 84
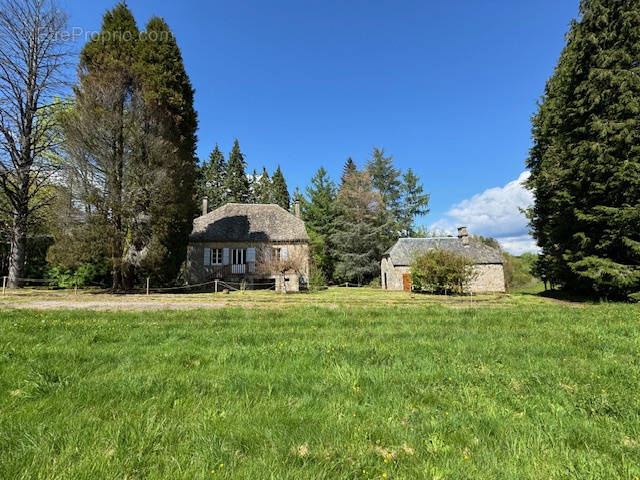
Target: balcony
221 271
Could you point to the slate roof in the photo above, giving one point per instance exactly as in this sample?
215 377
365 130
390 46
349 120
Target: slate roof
239 222
403 251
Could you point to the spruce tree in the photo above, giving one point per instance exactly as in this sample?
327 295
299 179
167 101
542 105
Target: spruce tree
585 161
349 168
362 230
236 182
385 177
414 202
264 188
319 212
212 179
280 191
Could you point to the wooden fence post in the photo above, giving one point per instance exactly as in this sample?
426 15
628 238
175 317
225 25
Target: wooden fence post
147 285
347 288
215 282
4 285
75 288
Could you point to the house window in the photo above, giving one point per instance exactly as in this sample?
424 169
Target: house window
238 256
216 256
276 254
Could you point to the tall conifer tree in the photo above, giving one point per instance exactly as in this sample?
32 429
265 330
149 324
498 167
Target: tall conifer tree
585 160
414 202
168 165
101 134
319 212
264 188
280 191
212 179
362 229
236 182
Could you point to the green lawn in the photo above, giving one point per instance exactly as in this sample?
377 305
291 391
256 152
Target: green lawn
521 390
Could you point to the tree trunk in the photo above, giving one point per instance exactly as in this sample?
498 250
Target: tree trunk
18 247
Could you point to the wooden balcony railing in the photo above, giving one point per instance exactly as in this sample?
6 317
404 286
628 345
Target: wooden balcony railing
221 271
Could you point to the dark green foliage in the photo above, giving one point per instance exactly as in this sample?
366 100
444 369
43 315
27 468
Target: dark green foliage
441 271
385 178
363 230
585 161
402 194
349 168
280 191
414 202
263 188
211 182
236 182
319 212
130 143
168 180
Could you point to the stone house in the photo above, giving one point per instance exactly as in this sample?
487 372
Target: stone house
488 261
262 245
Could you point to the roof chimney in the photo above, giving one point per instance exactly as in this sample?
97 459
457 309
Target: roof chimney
296 208
463 235
205 205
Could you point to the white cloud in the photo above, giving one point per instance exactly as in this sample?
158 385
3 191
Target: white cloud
495 213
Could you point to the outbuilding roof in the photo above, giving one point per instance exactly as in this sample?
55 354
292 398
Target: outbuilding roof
406 248
240 222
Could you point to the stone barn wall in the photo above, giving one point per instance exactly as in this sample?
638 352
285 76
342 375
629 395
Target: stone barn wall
392 274
490 279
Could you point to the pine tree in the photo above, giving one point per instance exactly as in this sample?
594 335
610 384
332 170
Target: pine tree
585 161
253 184
362 229
212 179
319 212
280 191
236 182
385 177
349 168
414 202
264 188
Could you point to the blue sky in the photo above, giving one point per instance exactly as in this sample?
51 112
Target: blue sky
448 88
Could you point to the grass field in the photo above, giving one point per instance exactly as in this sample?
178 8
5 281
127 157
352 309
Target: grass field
365 386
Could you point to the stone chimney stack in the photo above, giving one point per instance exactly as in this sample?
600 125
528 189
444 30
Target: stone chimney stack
205 205
296 208
463 235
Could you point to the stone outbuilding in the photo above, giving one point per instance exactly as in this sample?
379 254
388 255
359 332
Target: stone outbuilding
489 261
260 245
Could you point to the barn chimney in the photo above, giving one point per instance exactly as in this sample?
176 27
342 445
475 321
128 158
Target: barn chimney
296 208
463 235
205 205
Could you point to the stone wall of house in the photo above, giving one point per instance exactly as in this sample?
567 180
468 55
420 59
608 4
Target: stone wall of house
490 279
198 272
391 276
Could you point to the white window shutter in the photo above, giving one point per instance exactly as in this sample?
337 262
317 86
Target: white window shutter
225 256
266 254
207 256
284 253
251 254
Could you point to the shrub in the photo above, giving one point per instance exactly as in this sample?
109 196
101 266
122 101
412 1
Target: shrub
316 278
85 275
440 271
